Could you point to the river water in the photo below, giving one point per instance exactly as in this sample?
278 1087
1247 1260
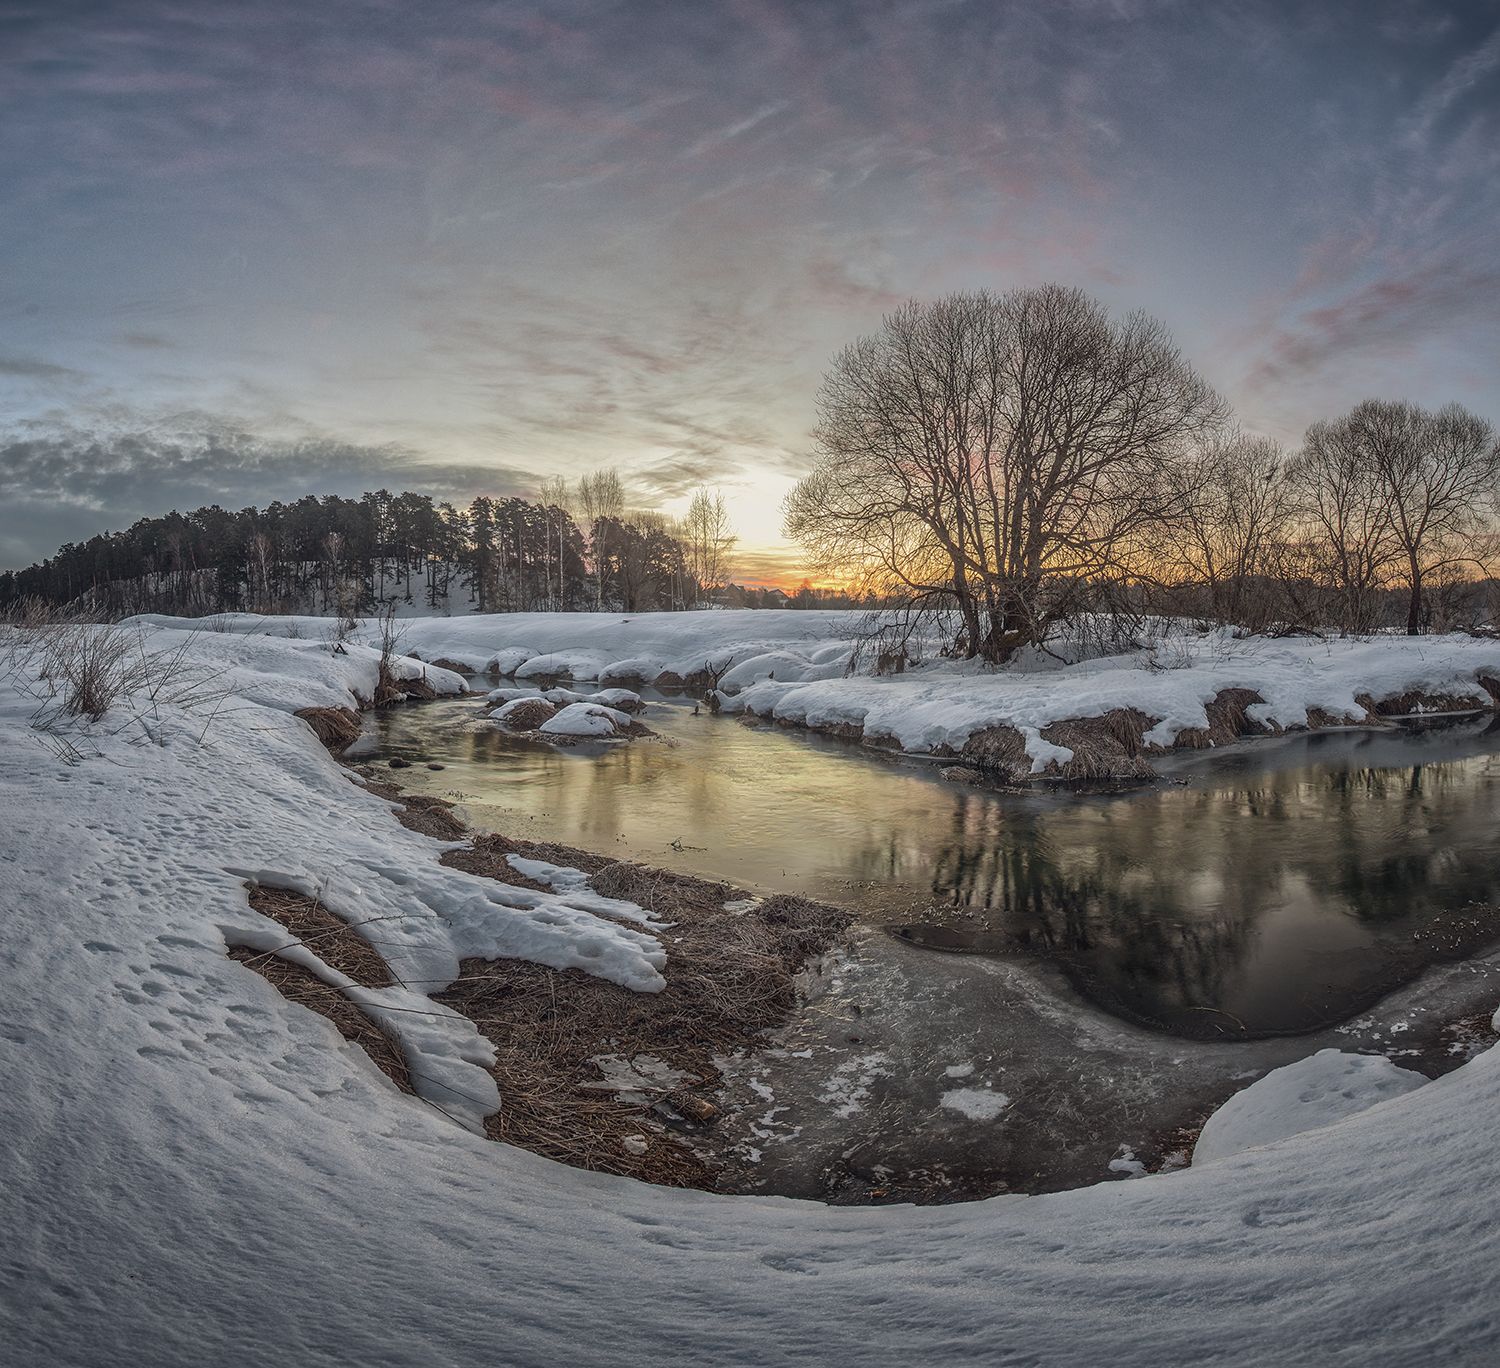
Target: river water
1104 965
1280 886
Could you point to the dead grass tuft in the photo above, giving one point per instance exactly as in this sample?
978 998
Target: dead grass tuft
431 816
1228 721
997 748
1107 747
527 714
1417 701
334 727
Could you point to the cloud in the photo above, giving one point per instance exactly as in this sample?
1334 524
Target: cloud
1393 316
761 566
145 341
1466 73
680 474
64 483
30 368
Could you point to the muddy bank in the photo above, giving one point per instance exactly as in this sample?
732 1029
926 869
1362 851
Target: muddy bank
590 1074
1115 747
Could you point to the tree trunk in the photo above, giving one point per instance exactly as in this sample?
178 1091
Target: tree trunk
1414 606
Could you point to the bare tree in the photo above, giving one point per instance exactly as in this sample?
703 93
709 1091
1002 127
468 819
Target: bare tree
554 496
708 537
602 496
998 453
1347 508
1442 474
1231 535
1399 496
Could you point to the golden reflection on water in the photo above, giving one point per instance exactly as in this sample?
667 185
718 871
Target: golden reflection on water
1271 892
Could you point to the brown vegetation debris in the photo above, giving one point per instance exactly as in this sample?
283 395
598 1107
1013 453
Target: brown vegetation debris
392 690
431 817
330 938
1228 721
527 714
334 727
1415 702
1107 747
299 985
729 977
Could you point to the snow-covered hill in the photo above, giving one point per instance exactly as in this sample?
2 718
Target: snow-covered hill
194 1171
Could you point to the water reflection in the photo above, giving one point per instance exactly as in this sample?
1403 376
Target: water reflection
1277 888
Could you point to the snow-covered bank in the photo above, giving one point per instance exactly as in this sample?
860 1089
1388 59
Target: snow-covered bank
194 1171
795 667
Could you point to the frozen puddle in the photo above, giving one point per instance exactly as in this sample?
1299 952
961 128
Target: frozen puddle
861 1095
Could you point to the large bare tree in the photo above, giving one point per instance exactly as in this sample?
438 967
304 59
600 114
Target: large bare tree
998 454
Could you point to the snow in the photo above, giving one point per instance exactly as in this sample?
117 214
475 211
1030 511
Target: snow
511 694
586 720
1313 1092
938 707
978 1104
196 1171
572 888
792 665
506 711
641 1079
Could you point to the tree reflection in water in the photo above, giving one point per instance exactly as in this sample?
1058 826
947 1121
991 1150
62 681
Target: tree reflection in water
1281 887
1275 902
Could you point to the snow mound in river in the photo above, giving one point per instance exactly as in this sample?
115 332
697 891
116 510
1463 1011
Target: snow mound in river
586 720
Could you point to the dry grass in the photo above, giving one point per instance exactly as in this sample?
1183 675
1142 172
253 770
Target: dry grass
1228 721
1416 701
1105 749
425 813
81 674
527 714
334 727
298 985
1108 747
729 978
307 922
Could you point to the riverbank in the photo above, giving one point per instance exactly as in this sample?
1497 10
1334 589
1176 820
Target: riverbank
172 1125
1064 717
589 1073
1083 1019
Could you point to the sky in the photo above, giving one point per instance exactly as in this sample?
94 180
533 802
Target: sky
252 251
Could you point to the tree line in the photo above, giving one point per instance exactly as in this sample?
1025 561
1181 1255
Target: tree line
344 556
1008 463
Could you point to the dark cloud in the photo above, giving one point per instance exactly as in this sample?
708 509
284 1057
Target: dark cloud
29 368
680 474
1389 318
68 484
